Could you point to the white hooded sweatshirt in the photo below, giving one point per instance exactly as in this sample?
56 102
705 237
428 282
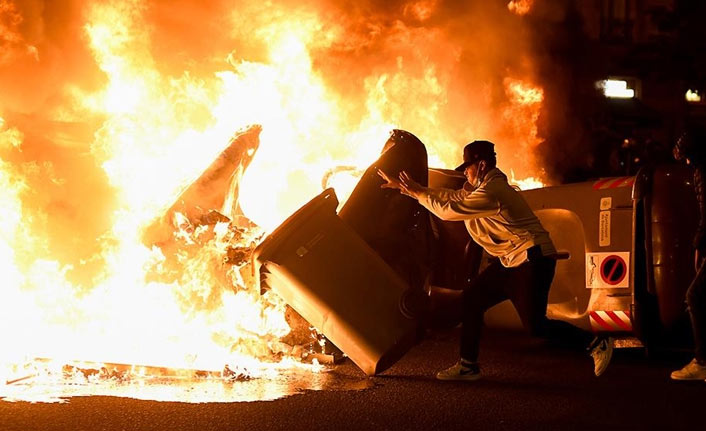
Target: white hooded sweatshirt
496 216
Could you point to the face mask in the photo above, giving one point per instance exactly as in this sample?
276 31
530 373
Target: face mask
479 176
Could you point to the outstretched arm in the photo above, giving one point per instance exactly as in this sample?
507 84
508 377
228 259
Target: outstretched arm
443 203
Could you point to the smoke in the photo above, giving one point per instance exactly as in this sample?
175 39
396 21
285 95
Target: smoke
453 56
560 52
436 68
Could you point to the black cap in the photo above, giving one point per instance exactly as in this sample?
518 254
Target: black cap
476 150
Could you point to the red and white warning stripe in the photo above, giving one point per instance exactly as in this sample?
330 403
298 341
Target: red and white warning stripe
611 183
614 321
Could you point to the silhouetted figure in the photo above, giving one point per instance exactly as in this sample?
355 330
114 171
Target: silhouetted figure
689 148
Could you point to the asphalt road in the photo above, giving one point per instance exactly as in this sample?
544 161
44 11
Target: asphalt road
526 385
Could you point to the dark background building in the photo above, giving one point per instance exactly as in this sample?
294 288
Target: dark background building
657 47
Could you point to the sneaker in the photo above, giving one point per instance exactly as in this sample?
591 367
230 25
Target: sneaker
602 352
461 371
691 371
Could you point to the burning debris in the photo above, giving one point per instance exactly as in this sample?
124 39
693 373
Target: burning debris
82 372
207 255
208 212
198 218
55 382
213 197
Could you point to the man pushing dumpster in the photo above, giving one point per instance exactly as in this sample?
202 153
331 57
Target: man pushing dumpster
499 220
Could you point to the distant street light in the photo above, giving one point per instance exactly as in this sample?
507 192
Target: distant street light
693 96
616 89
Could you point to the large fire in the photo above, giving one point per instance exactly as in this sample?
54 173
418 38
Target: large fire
123 302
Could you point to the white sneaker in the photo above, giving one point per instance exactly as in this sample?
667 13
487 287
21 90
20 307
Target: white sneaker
602 352
461 371
691 371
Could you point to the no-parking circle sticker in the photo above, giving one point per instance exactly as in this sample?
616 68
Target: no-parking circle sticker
608 270
613 269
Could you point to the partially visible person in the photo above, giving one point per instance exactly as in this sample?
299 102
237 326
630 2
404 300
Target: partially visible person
499 219
689 148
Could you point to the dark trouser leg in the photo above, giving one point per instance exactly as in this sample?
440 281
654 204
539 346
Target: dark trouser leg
696 303
486 291
529 295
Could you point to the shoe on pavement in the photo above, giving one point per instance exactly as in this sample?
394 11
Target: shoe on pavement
602 352
691 371
461 371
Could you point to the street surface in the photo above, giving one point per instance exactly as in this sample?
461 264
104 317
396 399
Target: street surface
526 385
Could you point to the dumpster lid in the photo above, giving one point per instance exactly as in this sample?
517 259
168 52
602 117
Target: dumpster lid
327 199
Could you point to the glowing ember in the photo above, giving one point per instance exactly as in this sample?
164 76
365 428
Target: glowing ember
88 166
520 7
523 93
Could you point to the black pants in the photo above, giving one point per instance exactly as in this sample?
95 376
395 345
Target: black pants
527 286
696 303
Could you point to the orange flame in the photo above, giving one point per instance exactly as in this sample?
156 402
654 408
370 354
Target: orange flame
421 10
521 115
520 7
158 132
10 38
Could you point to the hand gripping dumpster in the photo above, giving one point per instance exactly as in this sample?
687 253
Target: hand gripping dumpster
332 278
